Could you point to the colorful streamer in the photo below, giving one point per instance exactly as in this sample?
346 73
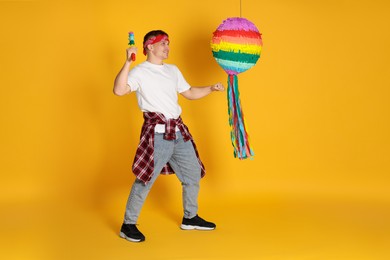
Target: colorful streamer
238 134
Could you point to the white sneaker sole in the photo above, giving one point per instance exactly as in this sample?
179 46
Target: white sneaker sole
122 235
191 227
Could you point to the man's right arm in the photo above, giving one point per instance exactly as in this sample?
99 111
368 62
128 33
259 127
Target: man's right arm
120 84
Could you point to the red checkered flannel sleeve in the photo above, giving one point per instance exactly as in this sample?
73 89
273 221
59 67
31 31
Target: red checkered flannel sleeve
143 164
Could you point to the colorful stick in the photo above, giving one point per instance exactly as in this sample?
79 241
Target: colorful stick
132 43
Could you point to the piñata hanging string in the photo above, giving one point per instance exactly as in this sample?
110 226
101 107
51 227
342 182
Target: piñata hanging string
236 46
240 9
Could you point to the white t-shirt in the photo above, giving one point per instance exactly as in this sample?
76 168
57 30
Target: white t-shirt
156 88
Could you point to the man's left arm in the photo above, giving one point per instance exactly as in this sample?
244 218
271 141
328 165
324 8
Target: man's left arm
200 92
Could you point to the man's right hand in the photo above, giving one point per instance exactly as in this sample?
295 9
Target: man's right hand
129 51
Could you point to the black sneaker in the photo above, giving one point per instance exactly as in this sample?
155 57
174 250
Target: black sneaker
196 223
131 233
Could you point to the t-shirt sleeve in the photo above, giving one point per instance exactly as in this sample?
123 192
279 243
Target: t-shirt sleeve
182 84
133 79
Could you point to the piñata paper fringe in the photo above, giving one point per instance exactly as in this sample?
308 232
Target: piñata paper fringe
238 48
238 134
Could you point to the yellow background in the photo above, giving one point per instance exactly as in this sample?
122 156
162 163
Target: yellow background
316 106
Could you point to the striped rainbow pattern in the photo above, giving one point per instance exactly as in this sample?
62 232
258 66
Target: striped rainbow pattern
236 45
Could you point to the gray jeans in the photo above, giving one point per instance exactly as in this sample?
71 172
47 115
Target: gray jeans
182 158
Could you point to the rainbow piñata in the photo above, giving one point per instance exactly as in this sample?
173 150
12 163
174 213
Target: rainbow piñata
236 46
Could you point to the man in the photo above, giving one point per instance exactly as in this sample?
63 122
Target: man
166 146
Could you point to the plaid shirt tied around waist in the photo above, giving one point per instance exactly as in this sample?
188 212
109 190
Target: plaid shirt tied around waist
143 164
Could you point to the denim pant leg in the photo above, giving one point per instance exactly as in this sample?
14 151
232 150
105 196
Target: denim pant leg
163 150
187 168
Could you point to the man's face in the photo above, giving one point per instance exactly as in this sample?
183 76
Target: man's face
161 49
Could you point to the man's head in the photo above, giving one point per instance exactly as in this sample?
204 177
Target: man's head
157 42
